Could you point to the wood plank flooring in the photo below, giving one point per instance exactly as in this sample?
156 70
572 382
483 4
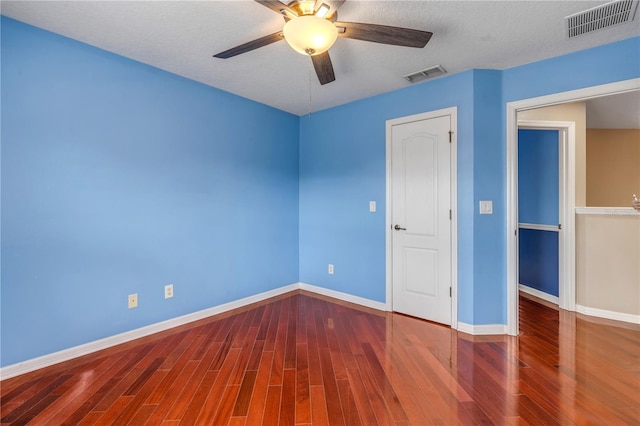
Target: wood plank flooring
301 359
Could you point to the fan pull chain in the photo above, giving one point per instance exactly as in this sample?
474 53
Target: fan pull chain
310 78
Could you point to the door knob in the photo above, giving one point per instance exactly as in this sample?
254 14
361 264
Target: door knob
397 228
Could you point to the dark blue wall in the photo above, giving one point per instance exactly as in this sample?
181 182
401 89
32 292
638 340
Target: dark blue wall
538 202
539 260
538 176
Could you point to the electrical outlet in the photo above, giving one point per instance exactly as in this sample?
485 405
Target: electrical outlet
133 300
168 291
330 269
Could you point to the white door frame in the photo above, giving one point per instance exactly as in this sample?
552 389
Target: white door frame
453 113
512 176
567 201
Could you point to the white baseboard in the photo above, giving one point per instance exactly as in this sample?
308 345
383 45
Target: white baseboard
97 345
539 294
484 329
601 313
381 306
481 330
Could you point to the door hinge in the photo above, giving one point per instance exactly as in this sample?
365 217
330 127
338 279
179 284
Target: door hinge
450 136
450 292
515 232
559 226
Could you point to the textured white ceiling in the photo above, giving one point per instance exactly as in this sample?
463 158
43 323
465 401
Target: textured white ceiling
182 36
620 111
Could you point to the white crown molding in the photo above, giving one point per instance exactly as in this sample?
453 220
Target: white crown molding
607 211
482 330
97 345
539 294
381 306
602 313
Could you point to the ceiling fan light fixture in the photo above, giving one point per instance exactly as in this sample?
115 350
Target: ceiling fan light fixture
310 35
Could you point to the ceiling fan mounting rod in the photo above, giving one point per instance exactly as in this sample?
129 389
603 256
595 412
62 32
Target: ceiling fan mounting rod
303 7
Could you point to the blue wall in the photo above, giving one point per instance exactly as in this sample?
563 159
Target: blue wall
489 183
538 203
342 168
119 178
592 67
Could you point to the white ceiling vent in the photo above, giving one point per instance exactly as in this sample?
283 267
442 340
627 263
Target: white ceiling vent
425 74
600 17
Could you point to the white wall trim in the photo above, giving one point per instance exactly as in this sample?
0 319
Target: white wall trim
512 174
537 227
381 306
482 330
97 345
578 94
453 113
602 313
607 211
539 294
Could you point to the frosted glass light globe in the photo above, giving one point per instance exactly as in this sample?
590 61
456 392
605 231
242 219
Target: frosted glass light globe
310 35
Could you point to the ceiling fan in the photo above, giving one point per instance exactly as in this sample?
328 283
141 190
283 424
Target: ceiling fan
311 27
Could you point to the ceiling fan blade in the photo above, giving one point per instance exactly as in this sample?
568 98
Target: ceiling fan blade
252 45
277 6
384 34
323 67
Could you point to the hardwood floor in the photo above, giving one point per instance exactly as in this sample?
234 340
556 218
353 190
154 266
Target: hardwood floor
302 359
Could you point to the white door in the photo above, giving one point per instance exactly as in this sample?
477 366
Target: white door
420 218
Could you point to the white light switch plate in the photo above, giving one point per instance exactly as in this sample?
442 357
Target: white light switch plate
486 207
372 206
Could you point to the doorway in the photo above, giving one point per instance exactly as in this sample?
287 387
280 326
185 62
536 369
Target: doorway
544 227
569 197
421 237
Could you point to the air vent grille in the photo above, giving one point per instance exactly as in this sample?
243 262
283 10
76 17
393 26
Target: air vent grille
597 18
425 74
